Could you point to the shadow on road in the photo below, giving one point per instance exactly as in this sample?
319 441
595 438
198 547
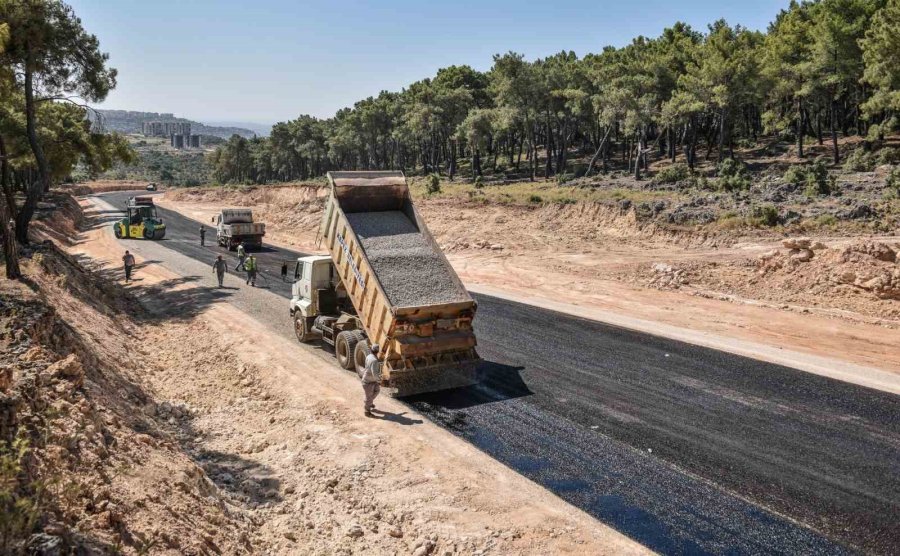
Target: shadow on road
499 383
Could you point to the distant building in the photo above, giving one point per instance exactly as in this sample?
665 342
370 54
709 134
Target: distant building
165 129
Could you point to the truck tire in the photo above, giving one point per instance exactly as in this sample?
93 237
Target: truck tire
302 327
359 355
344 345
117 230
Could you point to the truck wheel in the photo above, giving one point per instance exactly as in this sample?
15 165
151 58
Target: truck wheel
359 355
344 345
117 230
302 327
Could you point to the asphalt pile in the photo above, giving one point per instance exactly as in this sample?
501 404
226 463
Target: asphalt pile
410 270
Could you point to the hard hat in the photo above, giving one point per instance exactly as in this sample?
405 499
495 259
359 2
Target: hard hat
374 348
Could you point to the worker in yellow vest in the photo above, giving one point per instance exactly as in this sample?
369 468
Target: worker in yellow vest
250 267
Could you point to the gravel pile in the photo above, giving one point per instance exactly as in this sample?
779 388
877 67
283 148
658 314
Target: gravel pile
410 271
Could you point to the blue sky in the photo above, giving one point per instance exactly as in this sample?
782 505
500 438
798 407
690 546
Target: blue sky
264 61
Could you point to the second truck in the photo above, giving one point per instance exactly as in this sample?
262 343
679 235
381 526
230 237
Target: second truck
236 226
385 281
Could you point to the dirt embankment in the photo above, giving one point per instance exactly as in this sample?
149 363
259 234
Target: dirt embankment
198 433
99 463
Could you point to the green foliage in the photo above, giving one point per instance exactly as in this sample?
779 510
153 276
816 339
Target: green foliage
825 221
814 178
733 175
19 508
563 178
433 184
535 199
672 174
860 160
479 182
881 56
887 155
765 216
893 180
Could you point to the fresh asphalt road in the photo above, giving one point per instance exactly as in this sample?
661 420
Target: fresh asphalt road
685 449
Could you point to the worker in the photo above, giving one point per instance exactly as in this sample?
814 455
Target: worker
284 271
128 261
242 254
202 235
250 267
371 380
219 267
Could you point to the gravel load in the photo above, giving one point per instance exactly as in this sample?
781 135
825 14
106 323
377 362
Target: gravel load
410 271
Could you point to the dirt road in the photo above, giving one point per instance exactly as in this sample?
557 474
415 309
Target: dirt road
682 448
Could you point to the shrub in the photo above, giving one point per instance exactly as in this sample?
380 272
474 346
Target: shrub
893 180
433 184
673 174
825 220
479 182
888 156
766 215
563 178
19 497
733 175
535 199
860 160
813 177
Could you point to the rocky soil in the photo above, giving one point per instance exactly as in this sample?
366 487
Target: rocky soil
861 277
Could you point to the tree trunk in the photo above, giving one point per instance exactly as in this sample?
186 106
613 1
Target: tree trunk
721 136
819 128
452 165
637 158
548 166
593 161
800 128
34 190
7 233
834 135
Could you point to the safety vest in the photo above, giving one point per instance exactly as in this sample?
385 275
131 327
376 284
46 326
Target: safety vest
250 264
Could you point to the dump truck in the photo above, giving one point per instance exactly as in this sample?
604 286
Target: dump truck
141 220
235 226
385 281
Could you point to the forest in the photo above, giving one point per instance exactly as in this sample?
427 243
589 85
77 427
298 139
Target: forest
822 70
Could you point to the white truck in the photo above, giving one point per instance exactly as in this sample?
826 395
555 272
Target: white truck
385 281
234 226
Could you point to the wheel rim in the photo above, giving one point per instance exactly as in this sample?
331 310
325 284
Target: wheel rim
341 349
360 355
300 328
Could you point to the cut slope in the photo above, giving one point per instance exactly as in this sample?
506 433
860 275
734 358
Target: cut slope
410 270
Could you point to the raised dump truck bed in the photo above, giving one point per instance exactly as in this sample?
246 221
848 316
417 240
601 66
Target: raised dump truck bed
401 291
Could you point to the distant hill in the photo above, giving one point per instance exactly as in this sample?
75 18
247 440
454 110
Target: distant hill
128 121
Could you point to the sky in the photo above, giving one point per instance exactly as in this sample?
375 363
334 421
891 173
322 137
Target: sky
264 61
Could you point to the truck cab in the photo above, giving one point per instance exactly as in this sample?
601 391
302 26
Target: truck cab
319 302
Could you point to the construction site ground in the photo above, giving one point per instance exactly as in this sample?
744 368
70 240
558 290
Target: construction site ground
234 439
597 418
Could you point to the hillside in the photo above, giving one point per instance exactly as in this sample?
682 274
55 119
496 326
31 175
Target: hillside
128 121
